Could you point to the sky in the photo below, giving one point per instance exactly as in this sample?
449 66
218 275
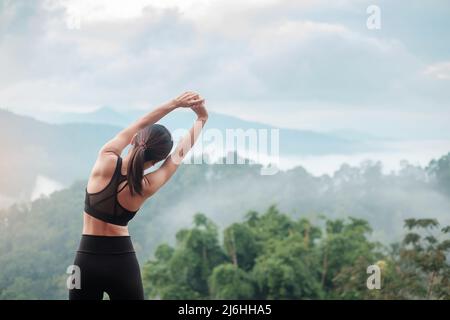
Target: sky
301 64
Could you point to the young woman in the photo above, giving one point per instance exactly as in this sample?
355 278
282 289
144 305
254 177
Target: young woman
115 191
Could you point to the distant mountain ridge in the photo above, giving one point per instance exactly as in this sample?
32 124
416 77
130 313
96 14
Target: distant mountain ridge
63 148
292 141
61 152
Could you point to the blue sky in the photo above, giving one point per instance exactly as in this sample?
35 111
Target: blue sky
301 64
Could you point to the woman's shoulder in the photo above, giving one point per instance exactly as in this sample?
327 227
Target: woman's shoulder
106 164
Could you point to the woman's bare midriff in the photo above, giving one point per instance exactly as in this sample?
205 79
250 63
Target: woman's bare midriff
94 226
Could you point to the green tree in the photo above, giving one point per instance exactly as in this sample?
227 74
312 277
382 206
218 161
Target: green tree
241 245
288 270
423 258
440 169
183 273
416 268
343 245
228 281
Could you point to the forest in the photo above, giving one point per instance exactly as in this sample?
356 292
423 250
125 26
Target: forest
227 232
272 256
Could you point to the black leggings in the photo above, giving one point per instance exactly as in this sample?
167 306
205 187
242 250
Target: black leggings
107 264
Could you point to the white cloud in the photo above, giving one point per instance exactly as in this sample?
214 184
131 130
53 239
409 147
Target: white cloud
440 71
113 10
259 55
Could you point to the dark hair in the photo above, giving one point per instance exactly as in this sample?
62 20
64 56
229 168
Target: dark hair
153 143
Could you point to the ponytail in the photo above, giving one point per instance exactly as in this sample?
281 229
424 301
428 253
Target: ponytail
135 170
151 143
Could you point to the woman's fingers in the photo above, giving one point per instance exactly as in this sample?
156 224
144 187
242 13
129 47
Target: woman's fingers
186 95
188 98
191 94
196 101
200 104
192 97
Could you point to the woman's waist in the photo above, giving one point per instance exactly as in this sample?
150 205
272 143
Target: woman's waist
94 226
98 244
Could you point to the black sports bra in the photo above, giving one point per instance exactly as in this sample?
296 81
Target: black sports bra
104 205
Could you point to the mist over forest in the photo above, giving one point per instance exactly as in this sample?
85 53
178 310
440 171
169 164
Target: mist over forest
44 150
38 238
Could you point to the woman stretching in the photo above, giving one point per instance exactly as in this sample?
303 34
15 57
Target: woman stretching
115 191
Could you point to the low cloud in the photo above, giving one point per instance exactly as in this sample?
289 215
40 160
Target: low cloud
261 56
439 71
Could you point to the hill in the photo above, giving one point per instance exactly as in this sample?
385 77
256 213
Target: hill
38 239
65 150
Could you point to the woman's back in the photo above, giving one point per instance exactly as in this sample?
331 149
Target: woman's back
109 204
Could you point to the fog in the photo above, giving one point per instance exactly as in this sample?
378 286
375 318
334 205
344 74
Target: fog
417 152
226 192
44 186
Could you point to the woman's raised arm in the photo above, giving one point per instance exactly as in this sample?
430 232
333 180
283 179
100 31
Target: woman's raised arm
123 138
156 179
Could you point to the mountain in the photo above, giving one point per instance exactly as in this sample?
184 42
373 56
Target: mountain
292 141
60 152
63 148
102 115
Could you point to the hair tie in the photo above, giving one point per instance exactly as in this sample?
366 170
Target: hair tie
143 145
